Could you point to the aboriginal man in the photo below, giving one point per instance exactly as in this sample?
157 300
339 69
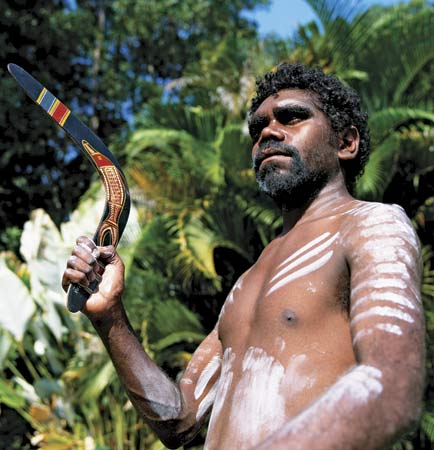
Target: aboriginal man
319 345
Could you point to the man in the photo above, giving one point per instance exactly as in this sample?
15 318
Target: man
319 345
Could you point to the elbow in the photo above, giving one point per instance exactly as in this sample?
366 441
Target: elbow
172 440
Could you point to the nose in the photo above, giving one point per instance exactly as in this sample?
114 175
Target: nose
272 131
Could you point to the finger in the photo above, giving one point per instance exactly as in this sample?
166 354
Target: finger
107 253
80 264
84 240
74 276
83 252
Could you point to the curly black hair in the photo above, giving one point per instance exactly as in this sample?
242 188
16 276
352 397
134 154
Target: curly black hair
340 103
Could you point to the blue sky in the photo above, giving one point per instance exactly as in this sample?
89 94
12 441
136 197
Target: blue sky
284 15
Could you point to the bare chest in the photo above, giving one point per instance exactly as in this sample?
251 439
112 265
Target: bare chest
297 285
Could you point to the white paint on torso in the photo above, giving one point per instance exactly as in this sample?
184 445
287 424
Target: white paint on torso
260 403
208 372
206 402
222 388
359 385
279 343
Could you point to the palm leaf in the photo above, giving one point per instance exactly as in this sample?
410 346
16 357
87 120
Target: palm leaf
386 121
379 170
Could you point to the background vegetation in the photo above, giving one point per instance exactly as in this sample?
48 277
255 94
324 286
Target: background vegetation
167 84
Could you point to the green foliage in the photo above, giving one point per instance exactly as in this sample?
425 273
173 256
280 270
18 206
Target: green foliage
201 222
103 59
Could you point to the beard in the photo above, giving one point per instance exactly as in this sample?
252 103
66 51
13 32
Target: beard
293 187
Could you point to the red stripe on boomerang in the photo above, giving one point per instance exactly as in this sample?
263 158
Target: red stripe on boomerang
59 112
101 160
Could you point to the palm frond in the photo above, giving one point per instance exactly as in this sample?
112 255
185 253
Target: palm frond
388 120
379 170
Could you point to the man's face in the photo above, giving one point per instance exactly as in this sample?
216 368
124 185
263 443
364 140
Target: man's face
293 152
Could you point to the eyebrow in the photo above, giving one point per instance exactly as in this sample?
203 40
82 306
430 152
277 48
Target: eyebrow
293 109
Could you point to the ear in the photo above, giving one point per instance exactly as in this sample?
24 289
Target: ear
349 143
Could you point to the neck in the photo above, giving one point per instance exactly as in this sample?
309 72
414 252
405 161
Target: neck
332 195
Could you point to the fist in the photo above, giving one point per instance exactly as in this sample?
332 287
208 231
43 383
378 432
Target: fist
88 263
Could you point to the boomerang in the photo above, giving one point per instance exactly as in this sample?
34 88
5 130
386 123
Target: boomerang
117 204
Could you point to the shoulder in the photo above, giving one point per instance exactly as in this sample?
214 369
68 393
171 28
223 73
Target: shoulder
367 219
371 226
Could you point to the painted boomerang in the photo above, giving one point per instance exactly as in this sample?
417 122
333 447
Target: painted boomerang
117 205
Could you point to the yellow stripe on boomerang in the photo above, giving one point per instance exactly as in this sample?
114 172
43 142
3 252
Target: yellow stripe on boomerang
41 96
53 107
66 115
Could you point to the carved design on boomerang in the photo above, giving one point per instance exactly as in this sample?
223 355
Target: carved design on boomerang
117 205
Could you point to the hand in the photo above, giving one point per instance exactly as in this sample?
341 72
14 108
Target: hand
87 264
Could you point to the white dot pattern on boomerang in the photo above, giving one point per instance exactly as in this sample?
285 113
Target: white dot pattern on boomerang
302 272
382 311
387 327
383 297
309 255
206 375
360 384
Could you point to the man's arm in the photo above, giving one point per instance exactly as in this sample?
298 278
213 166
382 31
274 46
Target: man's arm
380 398
176 413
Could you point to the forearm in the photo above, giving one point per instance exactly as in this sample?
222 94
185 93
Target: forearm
356 413
152 393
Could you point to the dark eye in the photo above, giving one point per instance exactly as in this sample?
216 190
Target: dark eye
256 126
291 116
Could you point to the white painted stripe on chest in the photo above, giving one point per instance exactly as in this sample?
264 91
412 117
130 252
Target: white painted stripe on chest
302 272
306 247
310 254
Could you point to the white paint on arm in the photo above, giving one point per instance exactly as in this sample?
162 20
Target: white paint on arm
208 372
356 388
385 295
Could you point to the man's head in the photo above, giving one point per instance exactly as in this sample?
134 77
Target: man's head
309 93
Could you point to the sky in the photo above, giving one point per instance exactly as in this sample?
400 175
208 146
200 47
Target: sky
284 15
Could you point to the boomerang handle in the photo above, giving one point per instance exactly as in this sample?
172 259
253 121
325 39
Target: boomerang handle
77 296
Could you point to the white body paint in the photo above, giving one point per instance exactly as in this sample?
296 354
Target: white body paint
222 389
360 385
206 375
258 400
206 402
389 278
383 311
390 297
387 327
261 392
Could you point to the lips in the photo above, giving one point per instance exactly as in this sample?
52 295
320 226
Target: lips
269 154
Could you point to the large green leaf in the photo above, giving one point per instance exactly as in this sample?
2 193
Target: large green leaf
16 303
